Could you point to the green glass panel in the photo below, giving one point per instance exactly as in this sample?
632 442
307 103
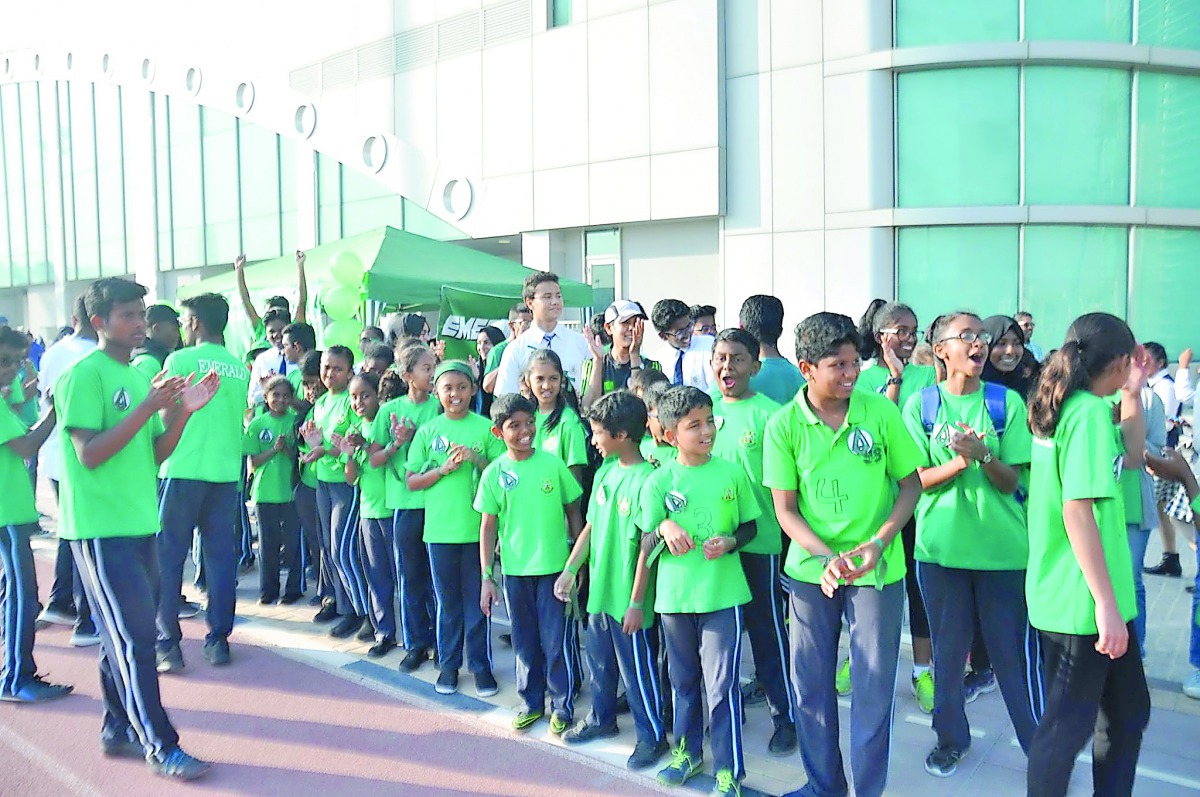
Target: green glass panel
1164 274
420 221
939 269
1169 23
1079 20
370 214
258 152
162 177
222 211
64 131
35 196
357 187
1077 136
602 242
187 186
329 199
14 173
1168 171
1051 287
110 177
925 22
560 13
958 137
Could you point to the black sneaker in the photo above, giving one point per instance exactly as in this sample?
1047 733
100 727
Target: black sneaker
753 694
381 648
36 690
647 754
783 741
348 627
622 704
170 660
217 652
447 682
178 765
485 684
506 640
414 659
1169 566
328 612
288 600
122 748
586 732
267 600
367 634
943 761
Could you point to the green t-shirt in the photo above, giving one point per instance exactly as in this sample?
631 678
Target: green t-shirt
120 497
740 427
615 540
450 514
397 494
1082 461
1130 481
915 379
527 498
567 441
493 358
657 453
273 479
778 380
211 445
332 414
707 500
967 523
372 481
845 480
296 377
148 364
17 505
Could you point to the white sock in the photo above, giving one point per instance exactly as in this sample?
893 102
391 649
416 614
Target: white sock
919 670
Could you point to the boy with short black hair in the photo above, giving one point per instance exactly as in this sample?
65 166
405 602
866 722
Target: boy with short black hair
704 319
654 446
534 545
542 294
377 359
778 379
672 320
299 338
842 469
622 642
702 510
519 319
642 380
317 551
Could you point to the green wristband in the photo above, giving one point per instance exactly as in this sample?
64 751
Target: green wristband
487 575
574 569
879 543
635 605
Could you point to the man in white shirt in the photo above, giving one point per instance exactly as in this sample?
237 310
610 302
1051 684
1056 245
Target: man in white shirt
1167 389
544 298
691 360
1025 322
67 605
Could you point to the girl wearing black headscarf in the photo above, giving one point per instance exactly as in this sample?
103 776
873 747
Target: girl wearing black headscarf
1009 362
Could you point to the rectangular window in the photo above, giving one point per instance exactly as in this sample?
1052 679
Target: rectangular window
1169 23
329 199
560 13
1051 287
1164 276
258 153
110 180
943 268
83 181
222 206
1079 20
921 23
187 185
1168 140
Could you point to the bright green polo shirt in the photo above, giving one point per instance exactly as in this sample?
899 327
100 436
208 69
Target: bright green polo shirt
915 379
527 497
397 494
17 505
740 427
494 355
615 540
372 481
967 523
148 364
450 514
332 414
211 445
708 500
567 441
273 479
120 497
657 453
1082 461
845 480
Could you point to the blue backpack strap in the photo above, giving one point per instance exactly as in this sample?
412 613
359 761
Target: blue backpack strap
995 399
931 402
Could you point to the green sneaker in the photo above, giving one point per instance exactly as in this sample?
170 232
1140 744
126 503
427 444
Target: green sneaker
558 724
842 681
922 689
727 785
682 767
526 718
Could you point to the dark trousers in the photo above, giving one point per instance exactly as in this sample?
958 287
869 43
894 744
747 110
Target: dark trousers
417 604
460 622
185 505
1089 694
246 535
540 643
953 599
278 543
67 589
316 544
616 656
380 555
918 620
768 637
705 651
18 606
337 508
121 578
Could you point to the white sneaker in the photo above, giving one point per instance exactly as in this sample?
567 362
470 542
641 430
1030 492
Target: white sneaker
1191 687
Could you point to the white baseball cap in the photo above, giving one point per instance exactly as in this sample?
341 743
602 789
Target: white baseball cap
623 310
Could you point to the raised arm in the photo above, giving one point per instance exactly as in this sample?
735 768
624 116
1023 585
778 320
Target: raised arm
239 266
302 301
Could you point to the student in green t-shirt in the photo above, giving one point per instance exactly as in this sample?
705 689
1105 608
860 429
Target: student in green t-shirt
972 544
270 443
337 501
622 640
1079 583
113 441
19 679
654 446
698 511
201 485
529 502
777 379
444 461
391 434
317 554
842 469
741 416
559 430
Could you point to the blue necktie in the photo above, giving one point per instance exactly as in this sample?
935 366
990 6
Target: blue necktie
282 366
678 380
548 340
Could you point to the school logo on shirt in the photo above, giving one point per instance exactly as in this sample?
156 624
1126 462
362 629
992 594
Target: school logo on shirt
547 487
748 438
508 481
943 435
601 496
728 495
265 436
121 399
440 444
675 502
719 421
861 443
624 507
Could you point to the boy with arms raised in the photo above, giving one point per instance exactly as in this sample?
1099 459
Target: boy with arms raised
621 639
534 544
842 470
741 416
699 510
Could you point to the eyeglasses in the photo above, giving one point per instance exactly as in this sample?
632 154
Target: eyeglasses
969 338
707 329
900 332
679 334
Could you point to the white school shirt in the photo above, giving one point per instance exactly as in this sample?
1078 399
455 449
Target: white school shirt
570 346
55 362
1167 391
1184 391
267 361
697 363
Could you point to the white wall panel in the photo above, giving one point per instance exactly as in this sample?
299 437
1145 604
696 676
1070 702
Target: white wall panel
560 198
685 89
747 37
685 184
508 108
619 191
858 142
460 112
747 270
618 89
798 149
560 124
749 154
416 108
795 33
859 268
506 205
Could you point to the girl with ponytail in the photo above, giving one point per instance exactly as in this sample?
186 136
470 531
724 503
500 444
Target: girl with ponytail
1079 583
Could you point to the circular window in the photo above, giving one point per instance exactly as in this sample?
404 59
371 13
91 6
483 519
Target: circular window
70 60
375 152
305 120
7 67
193 80
37 64
457 198
106 64
244 97
147 70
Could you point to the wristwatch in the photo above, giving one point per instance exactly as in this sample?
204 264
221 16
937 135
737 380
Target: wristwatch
894 380
987 459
